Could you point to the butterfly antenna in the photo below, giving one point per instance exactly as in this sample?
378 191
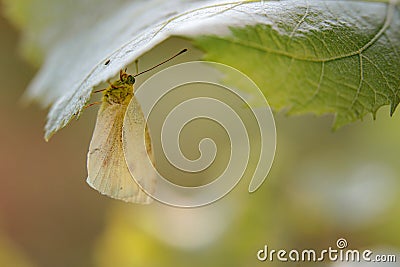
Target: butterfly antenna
159 64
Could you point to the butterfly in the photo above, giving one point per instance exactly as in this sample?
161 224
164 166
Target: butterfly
107 167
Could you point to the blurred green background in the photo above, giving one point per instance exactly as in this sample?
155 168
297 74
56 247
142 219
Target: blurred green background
323 186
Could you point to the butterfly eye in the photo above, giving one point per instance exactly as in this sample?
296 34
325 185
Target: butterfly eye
130 79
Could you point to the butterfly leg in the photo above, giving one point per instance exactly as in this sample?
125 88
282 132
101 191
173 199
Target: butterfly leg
137 65
92 104
98 91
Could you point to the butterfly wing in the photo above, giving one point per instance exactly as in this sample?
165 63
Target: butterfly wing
138 148
107 169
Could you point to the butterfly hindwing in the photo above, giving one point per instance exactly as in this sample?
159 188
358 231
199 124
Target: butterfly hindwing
107 169
138 147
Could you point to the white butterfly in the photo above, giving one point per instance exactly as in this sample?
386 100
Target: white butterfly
108 171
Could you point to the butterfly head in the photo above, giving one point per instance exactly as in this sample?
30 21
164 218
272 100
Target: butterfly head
126 78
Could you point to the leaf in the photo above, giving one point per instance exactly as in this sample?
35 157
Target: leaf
338 57
330 57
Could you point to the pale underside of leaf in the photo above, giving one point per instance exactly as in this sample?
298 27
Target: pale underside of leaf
338 57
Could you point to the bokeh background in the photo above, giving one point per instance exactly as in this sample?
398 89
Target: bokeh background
323 185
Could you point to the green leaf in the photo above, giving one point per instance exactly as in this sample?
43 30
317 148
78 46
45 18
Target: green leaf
338 57
323 57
